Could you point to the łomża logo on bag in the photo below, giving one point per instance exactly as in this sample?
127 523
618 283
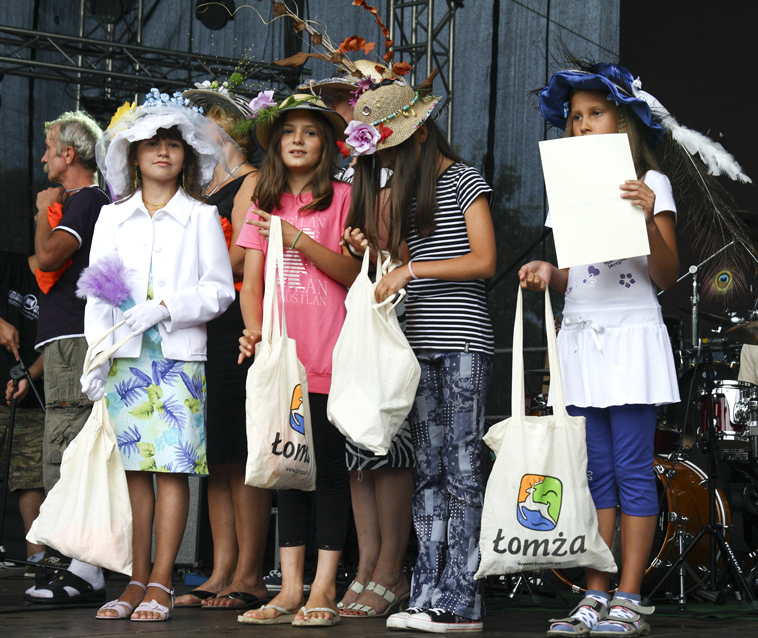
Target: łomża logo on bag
297 418
297 423
538 509
539 502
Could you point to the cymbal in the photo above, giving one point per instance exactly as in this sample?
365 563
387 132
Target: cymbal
717 319
744 333
542 371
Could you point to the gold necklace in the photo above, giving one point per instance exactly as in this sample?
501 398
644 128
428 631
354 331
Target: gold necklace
150 205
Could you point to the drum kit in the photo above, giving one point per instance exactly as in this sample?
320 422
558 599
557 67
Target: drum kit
719 414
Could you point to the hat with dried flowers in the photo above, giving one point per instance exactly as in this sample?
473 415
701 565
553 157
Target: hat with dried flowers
370 70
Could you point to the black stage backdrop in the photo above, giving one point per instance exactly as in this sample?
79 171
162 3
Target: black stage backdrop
699 59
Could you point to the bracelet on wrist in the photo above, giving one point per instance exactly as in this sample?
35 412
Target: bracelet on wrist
296 238
410 270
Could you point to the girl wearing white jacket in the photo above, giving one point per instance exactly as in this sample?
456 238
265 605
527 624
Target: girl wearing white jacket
157 157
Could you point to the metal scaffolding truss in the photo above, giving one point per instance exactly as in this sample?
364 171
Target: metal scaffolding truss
423 38
118 66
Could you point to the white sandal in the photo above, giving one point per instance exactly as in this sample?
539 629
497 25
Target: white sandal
366 611
123 608
354 586
155 606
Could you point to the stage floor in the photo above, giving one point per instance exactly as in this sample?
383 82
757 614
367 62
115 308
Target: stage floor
520 617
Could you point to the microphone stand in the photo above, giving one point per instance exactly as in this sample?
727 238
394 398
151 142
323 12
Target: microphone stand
18 372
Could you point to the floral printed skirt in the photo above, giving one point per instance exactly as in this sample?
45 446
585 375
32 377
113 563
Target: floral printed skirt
158 406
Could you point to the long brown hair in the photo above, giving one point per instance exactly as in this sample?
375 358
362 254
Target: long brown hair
191 168
272 177
629 123
413 188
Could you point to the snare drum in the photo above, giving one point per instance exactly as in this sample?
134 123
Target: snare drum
671 417
685 507
731 413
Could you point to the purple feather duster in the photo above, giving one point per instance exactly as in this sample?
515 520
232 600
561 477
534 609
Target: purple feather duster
108 281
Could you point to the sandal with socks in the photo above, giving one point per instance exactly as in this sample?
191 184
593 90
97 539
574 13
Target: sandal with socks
578 626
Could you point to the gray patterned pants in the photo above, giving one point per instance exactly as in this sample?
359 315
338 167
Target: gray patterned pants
447 422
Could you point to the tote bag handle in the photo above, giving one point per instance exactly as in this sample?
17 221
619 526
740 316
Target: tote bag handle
102 357
517 374
383 268
270 329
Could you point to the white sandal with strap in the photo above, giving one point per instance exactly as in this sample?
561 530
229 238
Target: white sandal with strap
366 611
356 587
155 606
123 608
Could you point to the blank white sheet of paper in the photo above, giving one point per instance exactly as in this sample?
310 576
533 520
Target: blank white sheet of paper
591 222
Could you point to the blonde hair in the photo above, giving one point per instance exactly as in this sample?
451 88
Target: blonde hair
629 123
227 120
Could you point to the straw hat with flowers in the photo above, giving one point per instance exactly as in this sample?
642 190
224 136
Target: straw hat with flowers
386 114
266 112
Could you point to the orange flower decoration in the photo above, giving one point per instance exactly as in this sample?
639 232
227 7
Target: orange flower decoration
401 68
385 32
355 43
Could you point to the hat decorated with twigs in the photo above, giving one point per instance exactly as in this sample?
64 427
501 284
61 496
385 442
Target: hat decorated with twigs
266 112
386 114
369 69
210 93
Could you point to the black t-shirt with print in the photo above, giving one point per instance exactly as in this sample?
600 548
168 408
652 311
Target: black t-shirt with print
61 311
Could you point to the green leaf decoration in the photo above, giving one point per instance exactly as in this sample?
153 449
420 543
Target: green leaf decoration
150 289
193 405
154 393
107 402
162 468
159 407
114 369
143 411
147 465
146 450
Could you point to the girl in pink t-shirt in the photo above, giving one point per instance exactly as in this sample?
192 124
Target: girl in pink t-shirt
295 183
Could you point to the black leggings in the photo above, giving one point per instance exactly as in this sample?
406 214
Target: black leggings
332 489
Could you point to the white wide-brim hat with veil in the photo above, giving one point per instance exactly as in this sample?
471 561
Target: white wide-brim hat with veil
136 123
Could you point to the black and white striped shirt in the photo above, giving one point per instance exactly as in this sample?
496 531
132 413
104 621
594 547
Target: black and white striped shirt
449 316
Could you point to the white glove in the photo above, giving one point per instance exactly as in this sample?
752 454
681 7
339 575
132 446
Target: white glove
93 383
145 315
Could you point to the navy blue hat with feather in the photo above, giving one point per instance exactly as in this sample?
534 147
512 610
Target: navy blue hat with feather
614 78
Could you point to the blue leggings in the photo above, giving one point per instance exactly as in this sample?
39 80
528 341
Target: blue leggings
620 457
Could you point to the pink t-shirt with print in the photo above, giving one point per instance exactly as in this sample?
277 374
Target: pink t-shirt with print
315 303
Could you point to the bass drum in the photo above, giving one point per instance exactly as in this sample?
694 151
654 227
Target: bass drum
684 507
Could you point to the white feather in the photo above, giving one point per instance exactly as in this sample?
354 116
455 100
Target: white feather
718 160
